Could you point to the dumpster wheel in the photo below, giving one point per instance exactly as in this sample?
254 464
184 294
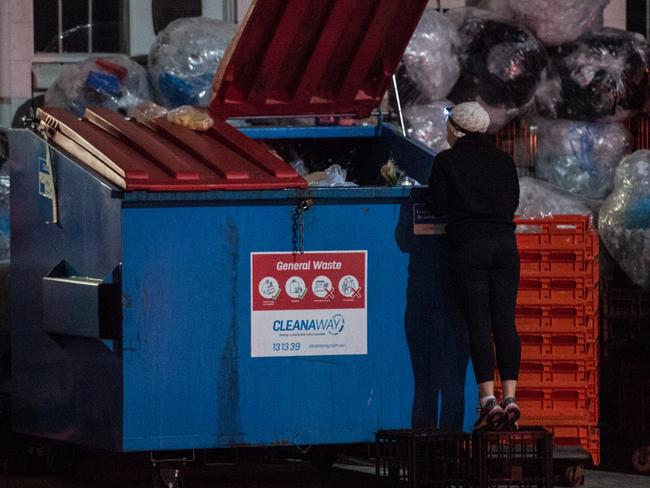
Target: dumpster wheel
574 475
168 477
641 460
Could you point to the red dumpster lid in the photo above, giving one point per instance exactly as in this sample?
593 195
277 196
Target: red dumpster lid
303 57
166 157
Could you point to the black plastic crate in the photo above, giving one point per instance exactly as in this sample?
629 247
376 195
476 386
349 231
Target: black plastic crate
521 459
423 458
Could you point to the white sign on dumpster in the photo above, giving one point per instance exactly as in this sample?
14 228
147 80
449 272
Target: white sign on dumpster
310 304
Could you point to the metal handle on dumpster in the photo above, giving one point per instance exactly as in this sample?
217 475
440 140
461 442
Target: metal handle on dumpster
82 306
298 225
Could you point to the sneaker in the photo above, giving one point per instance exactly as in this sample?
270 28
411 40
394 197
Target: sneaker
490 417
512 413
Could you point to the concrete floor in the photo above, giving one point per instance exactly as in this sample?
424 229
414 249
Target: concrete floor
113 473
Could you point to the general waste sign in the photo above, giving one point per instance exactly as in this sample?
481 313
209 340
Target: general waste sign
310 304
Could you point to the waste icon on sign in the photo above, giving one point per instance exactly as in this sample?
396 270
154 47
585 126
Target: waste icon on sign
295 287
269 288
349 287
322 287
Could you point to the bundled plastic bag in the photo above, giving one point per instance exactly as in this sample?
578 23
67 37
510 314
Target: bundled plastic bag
428 124
581 157
604 75
190 117
540 199
502 64
553 22
624 221
430 60
185 58
332 176
114 82
146 111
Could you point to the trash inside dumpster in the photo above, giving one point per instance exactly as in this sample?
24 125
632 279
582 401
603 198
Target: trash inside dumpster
180 289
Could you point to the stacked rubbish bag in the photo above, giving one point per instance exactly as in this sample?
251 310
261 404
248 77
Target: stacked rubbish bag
429 70
503 66
181 65
624 220
571 82
541 199
603 76
581 157
542 17
428 123
185 57
114 82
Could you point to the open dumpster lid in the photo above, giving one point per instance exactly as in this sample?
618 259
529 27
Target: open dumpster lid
162 156
303 57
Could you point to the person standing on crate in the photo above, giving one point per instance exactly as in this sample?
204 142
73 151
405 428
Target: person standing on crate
476 186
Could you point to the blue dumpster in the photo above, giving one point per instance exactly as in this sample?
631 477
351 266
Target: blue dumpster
182 290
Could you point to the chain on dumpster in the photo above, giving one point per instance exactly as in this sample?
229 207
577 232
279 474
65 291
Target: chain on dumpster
298 225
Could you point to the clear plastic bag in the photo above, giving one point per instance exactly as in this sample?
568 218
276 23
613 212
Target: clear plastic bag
502 64
428 124
604 76
581 157
332 176
185 57
146 111
624 220
430 60
114 82
190 117
538 198
553 22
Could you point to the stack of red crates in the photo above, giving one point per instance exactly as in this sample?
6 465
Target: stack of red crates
557 320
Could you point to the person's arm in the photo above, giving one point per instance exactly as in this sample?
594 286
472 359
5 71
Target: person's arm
436 194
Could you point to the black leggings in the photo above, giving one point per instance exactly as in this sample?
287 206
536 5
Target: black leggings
485 277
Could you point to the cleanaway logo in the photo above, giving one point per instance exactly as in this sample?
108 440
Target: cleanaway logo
333 325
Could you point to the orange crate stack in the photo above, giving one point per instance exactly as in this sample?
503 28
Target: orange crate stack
557 320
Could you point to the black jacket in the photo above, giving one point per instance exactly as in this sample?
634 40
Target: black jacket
476 186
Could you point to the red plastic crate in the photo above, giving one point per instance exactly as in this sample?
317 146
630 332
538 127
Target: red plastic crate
571 404
557 291
550 345
556 374
559 264
562 232
581 318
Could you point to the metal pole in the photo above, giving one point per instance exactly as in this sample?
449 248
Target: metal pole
60 25
399 105
647 19
90 26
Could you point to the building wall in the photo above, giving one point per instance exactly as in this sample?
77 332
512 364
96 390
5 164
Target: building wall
16 53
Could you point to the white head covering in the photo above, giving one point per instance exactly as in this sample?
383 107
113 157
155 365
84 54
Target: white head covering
471 117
